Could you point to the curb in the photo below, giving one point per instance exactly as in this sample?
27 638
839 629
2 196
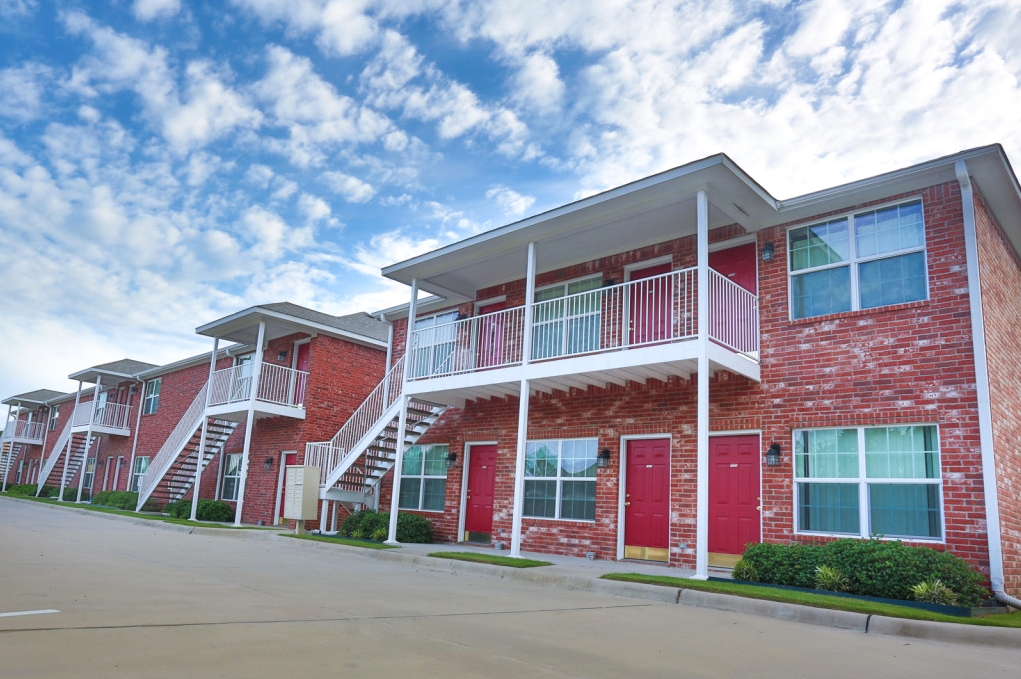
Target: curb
1002 637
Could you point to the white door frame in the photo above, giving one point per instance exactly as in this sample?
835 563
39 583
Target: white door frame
622 484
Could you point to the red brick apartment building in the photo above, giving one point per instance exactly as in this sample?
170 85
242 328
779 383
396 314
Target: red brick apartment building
679 366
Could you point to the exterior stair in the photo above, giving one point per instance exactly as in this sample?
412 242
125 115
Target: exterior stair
9 452
53 472
353 462
171 472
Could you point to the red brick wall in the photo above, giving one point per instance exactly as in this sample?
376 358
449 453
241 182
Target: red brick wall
909 363
1000 269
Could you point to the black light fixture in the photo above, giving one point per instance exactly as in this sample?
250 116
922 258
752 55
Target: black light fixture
773 455
268 464
768 250
450 460
282 356
603 458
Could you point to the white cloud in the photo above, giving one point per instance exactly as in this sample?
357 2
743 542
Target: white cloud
15 9
147 10
537 83
353 190
510 201
342 27
23 88
211 109
314 208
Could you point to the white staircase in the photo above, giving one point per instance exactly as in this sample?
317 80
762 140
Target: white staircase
9 452
172 472
54 466
365 448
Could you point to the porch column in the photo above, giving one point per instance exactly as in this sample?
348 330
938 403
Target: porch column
67 450
9 436
134 441
202 439
250 423
702 483
402 423
522 444
88 438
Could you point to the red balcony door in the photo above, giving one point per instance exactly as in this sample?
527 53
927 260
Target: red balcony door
478 514
302 361
491 335
289 458
737 264
300 382
729 322
649 305
733 493
647 500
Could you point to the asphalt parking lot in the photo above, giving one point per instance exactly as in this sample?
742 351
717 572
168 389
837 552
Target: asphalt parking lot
145 601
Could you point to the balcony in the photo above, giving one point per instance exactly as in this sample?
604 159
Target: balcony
109 418
638 330
281 392
23 431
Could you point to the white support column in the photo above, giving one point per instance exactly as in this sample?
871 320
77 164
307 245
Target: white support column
134 441
201 454
702 482
402 422
250 423
88 437
9 435
46 435
522 439
323 511
70 440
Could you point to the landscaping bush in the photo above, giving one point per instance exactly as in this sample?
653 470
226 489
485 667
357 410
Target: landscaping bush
117 499
28 490
179 509
744 570
878 568
71 494
369 525
934 592
213 510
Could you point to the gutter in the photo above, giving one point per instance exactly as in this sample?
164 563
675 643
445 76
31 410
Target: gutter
985 419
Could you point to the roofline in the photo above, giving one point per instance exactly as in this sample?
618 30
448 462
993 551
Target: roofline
318 327
78 375
13 400
191 361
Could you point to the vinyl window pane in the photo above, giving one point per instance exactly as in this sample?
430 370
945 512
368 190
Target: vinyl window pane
905 510
893 280
818 293
826 454
434 492
541 459
828 508
901 453
411 490
578 500
412 464
819 245
540 499
435 463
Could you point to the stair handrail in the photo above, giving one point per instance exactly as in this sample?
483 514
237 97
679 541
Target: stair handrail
55 452
327 455
172 447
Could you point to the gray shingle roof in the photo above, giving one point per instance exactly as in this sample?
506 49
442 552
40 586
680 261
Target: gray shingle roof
125 366
360 323
37 396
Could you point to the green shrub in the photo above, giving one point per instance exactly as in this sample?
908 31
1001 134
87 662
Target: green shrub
361 524
179 509
379 535
934 592
117 499
28 490
413 528
878 568
370 525
744 570
213 510
71 494
830 579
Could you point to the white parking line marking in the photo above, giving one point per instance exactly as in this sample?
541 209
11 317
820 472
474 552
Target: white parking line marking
14 613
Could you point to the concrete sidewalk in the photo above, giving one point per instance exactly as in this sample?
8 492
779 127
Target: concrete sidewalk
581 574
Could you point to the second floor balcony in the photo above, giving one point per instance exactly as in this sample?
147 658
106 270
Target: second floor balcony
640 329
23 431
108 418
281 391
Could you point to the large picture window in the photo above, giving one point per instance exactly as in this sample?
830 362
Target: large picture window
869 481
560 479
424 478
231 476
434 344
152 396
567 318
861 261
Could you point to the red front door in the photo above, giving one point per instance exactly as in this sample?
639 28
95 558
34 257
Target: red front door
733 493
647 500
289 458
478 515
491 335
649 305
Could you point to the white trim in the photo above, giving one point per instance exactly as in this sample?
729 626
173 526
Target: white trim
622 485
563 284
645 264
465 464
735 242
985 417
294 351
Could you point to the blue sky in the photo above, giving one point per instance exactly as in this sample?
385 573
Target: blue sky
164 162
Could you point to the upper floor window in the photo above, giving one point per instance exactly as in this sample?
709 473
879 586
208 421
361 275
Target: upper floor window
860 261
434 344
54 414
152 396
566 318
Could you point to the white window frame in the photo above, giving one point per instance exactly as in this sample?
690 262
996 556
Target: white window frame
448 335
560 479
90 474
236 477
863 481
853 261
422 477
566 318
151 400
54 416
136 475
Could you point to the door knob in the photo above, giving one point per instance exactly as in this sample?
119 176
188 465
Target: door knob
627 504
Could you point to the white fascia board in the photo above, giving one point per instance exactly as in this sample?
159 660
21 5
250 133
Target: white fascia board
84 374
426 304
257 311
190 362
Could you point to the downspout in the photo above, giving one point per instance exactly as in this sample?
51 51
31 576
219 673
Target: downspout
985 419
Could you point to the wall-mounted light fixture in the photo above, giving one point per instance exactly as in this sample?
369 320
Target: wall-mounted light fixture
450 460
603 458
268 464
773 455
768 250
282 356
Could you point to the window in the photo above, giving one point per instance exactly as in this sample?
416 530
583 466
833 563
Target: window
870 481
90 473
424 478
54 414
560 479
152 396
231 476
141 465
861 261
434 344
566 318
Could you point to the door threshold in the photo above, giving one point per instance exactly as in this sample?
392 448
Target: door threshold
722 560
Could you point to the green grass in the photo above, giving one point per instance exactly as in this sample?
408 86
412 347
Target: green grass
350 542
815 600
494 559
148 516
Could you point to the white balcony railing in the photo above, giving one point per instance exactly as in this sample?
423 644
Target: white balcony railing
277 384
23 430
112 415
655 310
